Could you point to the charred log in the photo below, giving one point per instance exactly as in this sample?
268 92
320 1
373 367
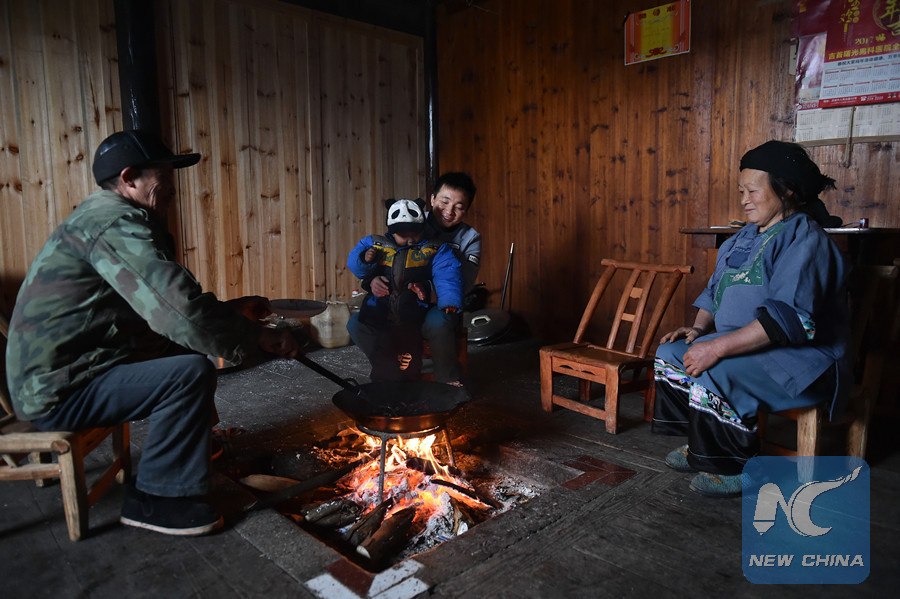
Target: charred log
368 524
459 489
463 519
427 467
392 534
332 514
486 497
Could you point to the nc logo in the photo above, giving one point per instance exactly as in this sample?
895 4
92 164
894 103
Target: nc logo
796 510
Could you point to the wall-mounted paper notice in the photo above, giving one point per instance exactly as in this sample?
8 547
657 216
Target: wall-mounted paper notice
873 122
658 32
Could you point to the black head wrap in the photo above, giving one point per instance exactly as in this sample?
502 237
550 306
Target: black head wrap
790 163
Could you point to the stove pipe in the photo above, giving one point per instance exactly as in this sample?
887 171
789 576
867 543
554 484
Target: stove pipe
138 84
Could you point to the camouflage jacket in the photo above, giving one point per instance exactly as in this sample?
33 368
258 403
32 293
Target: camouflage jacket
105 290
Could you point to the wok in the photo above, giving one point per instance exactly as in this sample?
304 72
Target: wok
297 308
394 406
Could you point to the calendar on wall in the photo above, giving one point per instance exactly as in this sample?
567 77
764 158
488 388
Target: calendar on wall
847 79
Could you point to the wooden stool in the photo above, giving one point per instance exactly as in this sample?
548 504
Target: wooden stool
25 455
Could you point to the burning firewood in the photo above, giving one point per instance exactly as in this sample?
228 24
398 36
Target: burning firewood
332 514
393 533
346 439
462 490
426 466
368 524
486 497
462 517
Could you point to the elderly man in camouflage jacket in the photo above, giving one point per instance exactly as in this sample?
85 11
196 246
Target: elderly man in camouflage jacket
109 328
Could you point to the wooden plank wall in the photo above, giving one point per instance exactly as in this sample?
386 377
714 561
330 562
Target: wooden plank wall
58 99
578 157
306 123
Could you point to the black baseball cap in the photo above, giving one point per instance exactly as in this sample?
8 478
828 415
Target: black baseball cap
137 148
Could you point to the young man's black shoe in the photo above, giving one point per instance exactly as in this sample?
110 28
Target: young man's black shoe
184 516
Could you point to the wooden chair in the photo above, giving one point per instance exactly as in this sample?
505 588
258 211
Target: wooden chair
24 453
873 346
619 364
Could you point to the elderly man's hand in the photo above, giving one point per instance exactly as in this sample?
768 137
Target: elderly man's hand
280 342
253 307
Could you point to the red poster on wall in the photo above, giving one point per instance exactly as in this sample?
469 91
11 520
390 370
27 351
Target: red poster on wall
658 32
810 17
862 53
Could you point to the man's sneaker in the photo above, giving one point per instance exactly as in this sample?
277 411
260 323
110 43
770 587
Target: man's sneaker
183 516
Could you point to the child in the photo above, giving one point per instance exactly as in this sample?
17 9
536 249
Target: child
402 272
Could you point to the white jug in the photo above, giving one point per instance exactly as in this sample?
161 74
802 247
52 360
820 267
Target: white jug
329 328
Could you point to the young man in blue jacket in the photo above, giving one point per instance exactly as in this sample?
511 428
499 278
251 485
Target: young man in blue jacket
453 195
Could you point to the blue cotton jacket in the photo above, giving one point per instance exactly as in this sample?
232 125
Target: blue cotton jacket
465 243
796 273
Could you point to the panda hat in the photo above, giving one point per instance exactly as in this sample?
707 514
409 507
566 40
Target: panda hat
405 216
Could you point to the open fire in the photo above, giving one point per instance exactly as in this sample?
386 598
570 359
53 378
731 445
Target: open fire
410 469
419 500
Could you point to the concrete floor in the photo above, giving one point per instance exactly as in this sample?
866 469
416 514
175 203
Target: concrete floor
590 533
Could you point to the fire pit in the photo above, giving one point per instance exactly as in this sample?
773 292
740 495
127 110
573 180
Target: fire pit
403 495
388 495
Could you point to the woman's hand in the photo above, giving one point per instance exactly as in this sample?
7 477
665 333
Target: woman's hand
703 324
706 354
370 255
700 357
686 333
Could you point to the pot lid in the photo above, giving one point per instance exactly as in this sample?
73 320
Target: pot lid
487 324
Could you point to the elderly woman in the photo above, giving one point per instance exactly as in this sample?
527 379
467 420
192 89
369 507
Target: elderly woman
772 326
